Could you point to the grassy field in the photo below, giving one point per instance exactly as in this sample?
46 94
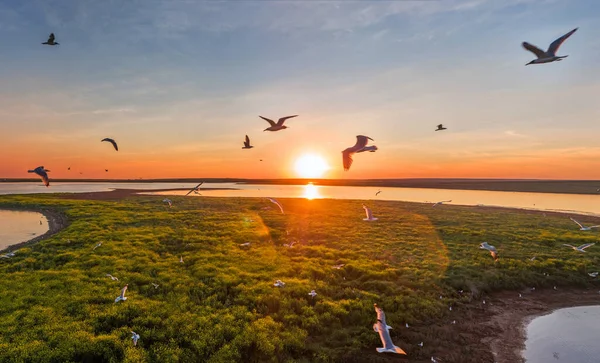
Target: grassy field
220 305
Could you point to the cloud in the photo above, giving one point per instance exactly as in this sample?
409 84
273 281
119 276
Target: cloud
513 133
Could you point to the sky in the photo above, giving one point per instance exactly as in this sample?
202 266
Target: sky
179 83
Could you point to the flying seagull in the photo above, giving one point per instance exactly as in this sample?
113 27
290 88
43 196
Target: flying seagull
549 55
593 274
379 191
441 127
383 329
135 337
42 172
69 168
313 293
359 147
113 142
247 143
50 40
98 245
276 126
337 267
442 202
580 248
278 204
167 200
9 255
582 227
180 259
155 285
106 170
369 214
194 189
492 249
279 283
112 277
247 244
122 296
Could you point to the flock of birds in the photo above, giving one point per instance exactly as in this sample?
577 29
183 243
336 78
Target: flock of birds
360 146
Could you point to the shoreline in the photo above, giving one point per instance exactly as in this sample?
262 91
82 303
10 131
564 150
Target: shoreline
57 221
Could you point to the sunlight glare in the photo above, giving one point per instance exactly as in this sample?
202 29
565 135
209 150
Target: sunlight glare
311 166
311 191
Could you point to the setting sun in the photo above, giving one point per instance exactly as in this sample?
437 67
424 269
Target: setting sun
311 166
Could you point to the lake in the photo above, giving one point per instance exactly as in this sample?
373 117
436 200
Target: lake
17 226
566 336
569 203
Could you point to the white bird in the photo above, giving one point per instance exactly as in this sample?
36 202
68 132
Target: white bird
276 126
584 228
97 245
555 288
194 189
442 202
112 277
278 204
531 259
245 244
434 360
383 329
406 325
580 248
155 285
180 259
359 147
9 255
492 249
549 55
369 214
450 308
593 274
122 296
453 321
279 283
313 293
42 173
483 302
420 344
337 267
135 337
520 295
166 200
113 142
289 245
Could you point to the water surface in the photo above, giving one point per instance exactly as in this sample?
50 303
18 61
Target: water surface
17 226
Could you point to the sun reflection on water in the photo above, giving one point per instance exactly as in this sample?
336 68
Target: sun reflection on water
311 191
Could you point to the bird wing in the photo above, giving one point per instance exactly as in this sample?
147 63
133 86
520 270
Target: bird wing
247 142
347 158
51 38
564 244
368 211
113 142
535 50
361 142
271 122
557 43
276 202
583 247
282 120
579 224
380 314
123 291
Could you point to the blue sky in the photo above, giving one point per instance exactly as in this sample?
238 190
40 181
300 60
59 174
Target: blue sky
179 83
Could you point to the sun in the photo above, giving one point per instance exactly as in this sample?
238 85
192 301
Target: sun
311 166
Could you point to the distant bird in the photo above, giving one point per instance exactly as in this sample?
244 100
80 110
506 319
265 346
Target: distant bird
106 170
279 283
369 214
245 244
155 285
313 293
580 248
406 325
420 344
453 322
450 308
492 249
135 337
9 255
441 127
69 168
383 329
337 267
442 202
168 201
359 147
531 259
180 259
376 194
584 228
98 245
122 296
51 40
434 360
247 143
520 295
549 55
195 189
113 142
278 204
42 172
289 245
112 277
276 126
593 274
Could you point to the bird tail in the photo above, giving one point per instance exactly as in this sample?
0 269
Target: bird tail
395 349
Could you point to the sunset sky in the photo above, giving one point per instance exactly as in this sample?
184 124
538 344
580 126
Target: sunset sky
179 84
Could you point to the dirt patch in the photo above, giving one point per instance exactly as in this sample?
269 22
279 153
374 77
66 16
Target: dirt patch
56 222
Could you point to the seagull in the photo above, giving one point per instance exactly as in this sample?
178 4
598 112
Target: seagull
406 325
593 274
520 295
376 194
383 329
106 170
180 259
359 147
9 255
276 202
112 277
420 344
50 40
531 259
313 293
337 267
155 285
98 245
245 244
42 172
135 337
549 55
247 143
289 244
113 142
442 202
69 168
276 126
453 322
440 127
582 227
434 360
279 283
122 296
492 249
369 214
194 189
580 248
166 200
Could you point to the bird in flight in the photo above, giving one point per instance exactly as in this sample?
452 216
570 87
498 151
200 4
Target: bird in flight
167 200
313 293
50 40
441 127
247 143
580 248
135 337
279 283
278 204
122 296
549 55
113 142
359 147
593 274
69 168
441 202
582 227
112 277
383 329
98 245
369 214
43 173
379 191
276 126
155 285
106 170
492 249
194 189
337 267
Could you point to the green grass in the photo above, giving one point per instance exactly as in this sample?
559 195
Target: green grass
57 305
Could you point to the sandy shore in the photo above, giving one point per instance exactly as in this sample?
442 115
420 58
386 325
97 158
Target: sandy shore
56 222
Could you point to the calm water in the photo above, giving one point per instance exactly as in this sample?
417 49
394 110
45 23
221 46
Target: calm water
564 336
18 227
583 204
